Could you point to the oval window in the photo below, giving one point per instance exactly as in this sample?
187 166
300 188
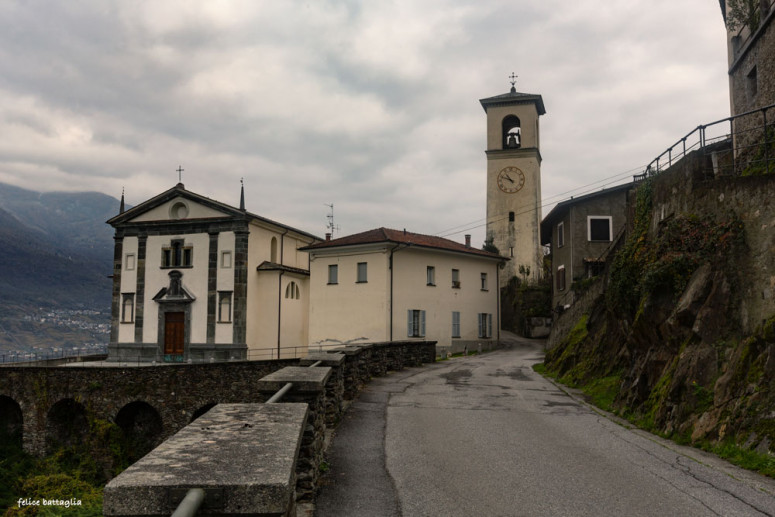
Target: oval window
179 210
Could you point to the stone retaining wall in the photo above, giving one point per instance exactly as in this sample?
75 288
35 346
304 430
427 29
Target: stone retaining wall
322 389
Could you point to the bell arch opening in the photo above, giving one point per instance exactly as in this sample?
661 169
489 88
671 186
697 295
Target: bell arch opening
512 132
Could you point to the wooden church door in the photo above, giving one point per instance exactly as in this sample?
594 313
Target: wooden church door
174 335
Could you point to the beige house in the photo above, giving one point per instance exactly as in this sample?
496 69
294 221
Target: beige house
389 285
196 279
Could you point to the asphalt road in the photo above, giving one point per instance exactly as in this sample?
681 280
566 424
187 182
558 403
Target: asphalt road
485 435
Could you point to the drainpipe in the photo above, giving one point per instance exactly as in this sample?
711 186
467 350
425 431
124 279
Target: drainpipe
392 251
280 293
498 302
390 319
279 309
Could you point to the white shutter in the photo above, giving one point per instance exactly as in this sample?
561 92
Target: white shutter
422 323
480 319
409 323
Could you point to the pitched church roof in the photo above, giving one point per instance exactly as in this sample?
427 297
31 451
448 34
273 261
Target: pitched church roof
388 235
179 190
514 97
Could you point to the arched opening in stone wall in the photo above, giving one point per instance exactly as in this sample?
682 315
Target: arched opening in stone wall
142 427
66 424
11 421
202 410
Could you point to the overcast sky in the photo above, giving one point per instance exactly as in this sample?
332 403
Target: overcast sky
370 105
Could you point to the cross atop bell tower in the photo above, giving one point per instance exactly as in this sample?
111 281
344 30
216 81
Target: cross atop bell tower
514 179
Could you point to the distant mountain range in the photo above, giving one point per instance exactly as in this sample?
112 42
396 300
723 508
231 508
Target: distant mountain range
55 249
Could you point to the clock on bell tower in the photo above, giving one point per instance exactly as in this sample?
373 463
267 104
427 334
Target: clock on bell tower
514 179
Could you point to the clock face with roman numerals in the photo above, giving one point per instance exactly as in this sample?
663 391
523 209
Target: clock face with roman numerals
511 180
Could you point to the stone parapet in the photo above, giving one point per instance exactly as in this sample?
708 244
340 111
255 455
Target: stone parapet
334 385
242 455
309 386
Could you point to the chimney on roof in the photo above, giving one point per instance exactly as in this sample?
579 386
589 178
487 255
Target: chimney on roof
468 240
328 236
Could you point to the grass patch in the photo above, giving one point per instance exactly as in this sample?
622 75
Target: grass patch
603 392
745 458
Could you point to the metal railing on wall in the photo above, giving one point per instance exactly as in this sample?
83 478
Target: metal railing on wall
254 354
750 151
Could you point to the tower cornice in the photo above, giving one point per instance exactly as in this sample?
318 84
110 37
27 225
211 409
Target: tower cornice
512 98
522 152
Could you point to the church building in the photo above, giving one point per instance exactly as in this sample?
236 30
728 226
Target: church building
198 280
514 180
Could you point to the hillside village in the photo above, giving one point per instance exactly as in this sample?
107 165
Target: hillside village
662 289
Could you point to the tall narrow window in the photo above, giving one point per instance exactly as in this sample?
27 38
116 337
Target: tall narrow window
511 217
415 325
128 308
455 324
430 275
456 278
362 273
560 280
224 306
484 281
333 274
560 235
485 325
273 251
177 254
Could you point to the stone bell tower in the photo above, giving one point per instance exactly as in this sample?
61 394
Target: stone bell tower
514 179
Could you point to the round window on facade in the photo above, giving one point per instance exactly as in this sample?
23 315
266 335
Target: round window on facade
179 210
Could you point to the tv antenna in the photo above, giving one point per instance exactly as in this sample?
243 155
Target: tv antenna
331 226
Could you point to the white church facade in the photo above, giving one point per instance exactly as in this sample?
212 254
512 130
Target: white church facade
196 279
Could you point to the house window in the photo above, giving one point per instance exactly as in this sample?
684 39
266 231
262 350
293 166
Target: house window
511 217
129 262
751 84
560 280
273 251
456 278
485 325
560 235
177 254
224 306
430 275
415 325
128 308
484 281
599 228
226 259
333 274
292 291
362 273
455 324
